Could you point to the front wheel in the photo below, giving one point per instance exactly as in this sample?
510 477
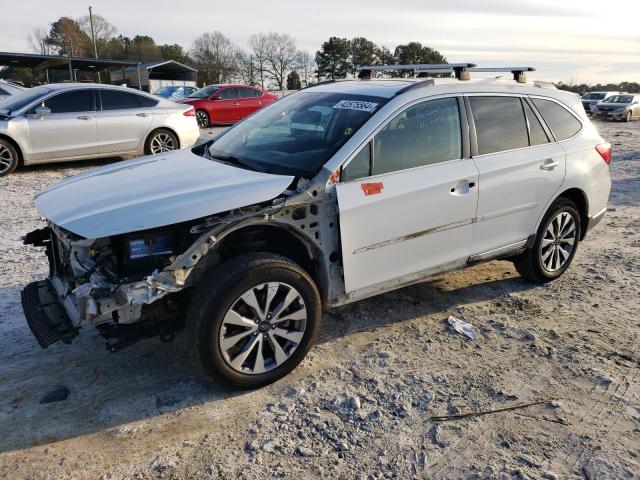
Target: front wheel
253 320
555 245
161 141
8 158
627 118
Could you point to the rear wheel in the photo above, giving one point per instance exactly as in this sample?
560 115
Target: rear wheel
8 158
203 118
161 141
555 246
253 320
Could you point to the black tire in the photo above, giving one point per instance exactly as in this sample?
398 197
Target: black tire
9 157
203 119
221 291
530 264
165 137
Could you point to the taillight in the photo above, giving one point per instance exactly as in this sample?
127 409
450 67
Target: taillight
190 113
604 149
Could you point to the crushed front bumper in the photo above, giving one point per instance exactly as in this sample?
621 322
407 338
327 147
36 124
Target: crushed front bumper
46 317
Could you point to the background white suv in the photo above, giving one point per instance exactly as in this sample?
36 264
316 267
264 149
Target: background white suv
338 192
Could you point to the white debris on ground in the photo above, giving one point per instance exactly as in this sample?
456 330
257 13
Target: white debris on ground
361 406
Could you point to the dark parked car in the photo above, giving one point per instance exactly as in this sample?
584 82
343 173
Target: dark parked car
226 104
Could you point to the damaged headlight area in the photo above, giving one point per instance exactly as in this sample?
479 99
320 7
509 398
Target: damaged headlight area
113 283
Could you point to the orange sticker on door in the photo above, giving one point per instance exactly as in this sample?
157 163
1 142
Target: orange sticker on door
372 188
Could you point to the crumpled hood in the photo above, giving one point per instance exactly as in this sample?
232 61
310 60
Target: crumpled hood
151 192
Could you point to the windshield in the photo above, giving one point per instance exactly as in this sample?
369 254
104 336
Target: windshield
204 92
594 96
620 99
22 99
166 91
297 134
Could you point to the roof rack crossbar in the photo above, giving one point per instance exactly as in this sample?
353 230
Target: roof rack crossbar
518 72
458 68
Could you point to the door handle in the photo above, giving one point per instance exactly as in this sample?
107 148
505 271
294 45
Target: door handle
549 164
83 117
142 114
235 104
259 103
462 187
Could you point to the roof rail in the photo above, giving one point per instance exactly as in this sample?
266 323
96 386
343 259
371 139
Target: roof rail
460 69
425 82
518 72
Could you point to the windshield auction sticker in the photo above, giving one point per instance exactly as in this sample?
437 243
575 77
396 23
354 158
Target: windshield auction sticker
356 105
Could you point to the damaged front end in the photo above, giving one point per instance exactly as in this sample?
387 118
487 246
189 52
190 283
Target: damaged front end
130 286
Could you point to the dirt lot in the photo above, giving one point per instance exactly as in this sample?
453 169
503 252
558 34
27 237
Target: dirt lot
361 406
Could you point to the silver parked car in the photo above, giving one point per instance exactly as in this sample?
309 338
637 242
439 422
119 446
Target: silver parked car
8 88
175 92
619 107
591 99
59 122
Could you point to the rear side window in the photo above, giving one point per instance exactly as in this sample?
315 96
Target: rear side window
424 134
114 100
146 102
69 102
563 124
228 93
248 92
537 135
500 124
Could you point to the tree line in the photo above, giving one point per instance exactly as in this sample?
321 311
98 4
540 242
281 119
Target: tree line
270 59
582 88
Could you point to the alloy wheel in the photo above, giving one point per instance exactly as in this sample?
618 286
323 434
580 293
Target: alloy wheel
263 328
558 242
6 159
162 142
203 119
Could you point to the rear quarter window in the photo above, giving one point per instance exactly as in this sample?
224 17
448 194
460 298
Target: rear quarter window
561 122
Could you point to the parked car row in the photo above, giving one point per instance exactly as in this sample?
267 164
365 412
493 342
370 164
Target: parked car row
612 105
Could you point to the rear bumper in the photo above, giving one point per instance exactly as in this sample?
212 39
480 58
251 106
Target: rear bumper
46 317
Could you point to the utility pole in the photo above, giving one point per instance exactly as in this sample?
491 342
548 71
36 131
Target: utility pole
93 37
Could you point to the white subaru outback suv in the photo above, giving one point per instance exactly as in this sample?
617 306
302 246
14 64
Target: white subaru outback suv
338 192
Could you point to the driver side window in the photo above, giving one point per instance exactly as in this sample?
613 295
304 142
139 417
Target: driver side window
423 134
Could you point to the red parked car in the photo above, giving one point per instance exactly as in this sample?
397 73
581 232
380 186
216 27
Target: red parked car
228 103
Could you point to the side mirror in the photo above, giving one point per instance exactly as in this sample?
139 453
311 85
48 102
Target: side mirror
216 97
41 111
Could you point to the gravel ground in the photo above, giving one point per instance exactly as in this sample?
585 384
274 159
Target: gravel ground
554 369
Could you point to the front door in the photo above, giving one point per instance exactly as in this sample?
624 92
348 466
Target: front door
68 131
407 200
520 170
226 109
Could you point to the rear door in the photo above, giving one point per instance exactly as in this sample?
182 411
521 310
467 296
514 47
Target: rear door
407 199
249 101
123 121
69 130
227 108
520 167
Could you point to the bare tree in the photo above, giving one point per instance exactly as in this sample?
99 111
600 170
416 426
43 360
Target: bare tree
39 41
258 45
102 29
215 57
281 54
248 69
306 65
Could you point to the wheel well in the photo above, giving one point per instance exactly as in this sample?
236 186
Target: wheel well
267 239
146 142
578 197
16 146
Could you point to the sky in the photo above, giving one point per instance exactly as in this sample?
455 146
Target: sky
577 41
